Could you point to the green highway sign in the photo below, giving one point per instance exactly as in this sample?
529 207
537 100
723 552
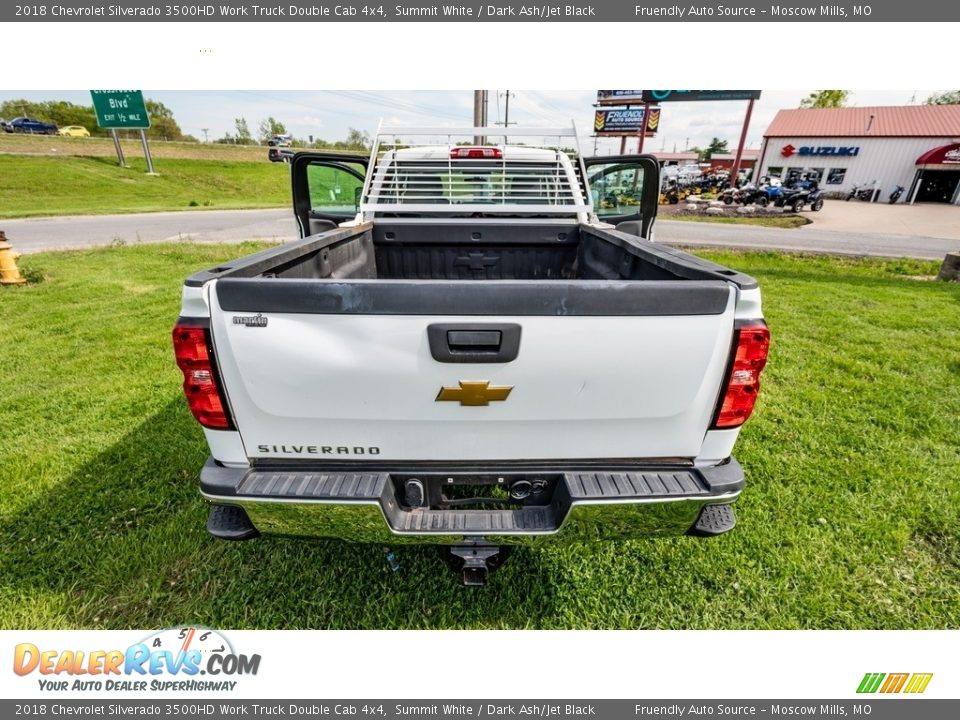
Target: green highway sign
120 109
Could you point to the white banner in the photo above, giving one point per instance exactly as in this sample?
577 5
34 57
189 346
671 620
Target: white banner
185 662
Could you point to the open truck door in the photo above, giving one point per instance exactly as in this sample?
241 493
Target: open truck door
625 190
326 189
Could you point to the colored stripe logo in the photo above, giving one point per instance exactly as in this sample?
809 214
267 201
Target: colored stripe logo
894 683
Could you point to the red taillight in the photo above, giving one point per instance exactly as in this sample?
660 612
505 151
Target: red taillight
478 153
194 358
743 383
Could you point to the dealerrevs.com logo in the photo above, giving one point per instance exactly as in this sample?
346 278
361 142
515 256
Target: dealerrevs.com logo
172 659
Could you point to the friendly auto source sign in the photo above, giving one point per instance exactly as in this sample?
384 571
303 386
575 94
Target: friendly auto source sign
613 122
120 109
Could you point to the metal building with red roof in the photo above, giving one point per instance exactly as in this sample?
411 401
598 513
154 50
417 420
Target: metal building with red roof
917 146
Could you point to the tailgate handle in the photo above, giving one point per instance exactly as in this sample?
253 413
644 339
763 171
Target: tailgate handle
474 342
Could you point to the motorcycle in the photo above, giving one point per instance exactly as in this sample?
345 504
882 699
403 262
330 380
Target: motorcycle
861 192
897 192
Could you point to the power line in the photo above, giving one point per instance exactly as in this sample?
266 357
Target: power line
506 113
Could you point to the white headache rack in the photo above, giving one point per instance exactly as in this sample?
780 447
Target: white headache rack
475 171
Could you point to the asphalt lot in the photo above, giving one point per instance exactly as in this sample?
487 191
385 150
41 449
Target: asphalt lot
847 238
928 219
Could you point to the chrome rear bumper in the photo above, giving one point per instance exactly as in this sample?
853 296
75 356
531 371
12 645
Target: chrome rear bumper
363 505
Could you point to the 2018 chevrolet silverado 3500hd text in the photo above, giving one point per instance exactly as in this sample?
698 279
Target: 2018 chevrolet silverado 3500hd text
475 345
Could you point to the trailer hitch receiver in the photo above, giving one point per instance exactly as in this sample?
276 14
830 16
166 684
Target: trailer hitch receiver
474 563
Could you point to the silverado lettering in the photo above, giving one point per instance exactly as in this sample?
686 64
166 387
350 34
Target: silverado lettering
318 450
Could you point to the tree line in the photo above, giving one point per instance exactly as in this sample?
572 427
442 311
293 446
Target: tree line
271 127
163 125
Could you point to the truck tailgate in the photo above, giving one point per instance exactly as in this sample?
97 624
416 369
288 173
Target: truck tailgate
361 385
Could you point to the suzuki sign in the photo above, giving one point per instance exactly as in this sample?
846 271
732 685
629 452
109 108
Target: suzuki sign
819 151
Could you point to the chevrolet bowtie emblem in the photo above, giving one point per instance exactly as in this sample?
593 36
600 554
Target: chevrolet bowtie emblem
474 393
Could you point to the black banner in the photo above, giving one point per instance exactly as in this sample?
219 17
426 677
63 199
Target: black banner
212 708
493 11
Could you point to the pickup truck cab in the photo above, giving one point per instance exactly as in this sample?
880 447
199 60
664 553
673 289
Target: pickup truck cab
474 345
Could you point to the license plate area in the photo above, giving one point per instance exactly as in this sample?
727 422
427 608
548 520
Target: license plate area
446 491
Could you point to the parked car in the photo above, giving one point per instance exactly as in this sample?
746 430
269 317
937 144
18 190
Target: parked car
30 125
74 131
388 378
279 155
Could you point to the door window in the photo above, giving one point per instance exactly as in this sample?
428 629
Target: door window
616 189
335 188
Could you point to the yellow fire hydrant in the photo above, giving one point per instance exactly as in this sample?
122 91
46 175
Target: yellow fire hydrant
9 272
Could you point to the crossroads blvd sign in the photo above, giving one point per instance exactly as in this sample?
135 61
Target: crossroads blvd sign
120 109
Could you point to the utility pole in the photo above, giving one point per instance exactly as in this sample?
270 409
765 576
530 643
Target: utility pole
506 112
506 115
205 131
479 113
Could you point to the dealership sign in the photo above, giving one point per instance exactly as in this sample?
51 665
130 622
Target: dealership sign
820 151
625 121
619 97
656 96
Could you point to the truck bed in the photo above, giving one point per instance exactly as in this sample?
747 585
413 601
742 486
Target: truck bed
478 250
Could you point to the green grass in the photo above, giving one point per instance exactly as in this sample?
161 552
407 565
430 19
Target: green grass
34 186
849 518
777 221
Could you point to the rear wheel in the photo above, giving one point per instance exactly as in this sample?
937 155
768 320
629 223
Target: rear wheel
761 200
817 205
797 206
727 199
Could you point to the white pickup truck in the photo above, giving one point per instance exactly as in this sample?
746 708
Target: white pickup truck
477 345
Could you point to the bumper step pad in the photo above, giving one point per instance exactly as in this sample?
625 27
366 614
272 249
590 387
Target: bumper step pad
229 522
714 520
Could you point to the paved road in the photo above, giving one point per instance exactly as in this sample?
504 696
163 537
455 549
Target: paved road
80 231
806 239
33 235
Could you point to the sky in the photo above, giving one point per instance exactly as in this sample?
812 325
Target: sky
329 114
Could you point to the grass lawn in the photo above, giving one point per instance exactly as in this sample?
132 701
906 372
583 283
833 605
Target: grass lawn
849 518
777 221
35 186
132 148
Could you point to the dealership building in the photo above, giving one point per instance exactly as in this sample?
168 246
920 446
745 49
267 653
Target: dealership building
916 146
